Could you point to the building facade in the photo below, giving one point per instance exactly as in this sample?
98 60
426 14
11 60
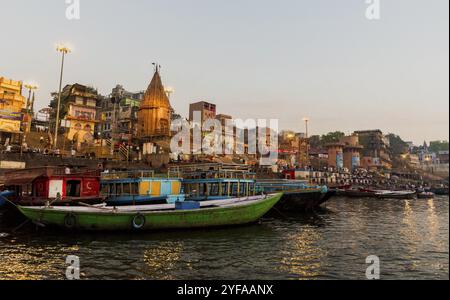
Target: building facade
375 150
11 104
207 111
81 113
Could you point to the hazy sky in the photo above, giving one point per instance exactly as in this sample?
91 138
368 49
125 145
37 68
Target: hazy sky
254 58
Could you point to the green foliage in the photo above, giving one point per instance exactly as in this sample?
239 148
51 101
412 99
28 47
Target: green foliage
397 145
437 146
332 137
315 142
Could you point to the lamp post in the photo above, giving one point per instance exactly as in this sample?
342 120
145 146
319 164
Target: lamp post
306 120
31 87
64 50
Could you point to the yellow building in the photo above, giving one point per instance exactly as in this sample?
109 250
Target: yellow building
11 104
155 112
80 119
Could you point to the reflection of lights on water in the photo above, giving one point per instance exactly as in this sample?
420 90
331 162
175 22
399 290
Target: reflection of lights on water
302 256
23 263
433 226
162 259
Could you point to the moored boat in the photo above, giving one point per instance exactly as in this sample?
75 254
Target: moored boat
152 217
54 185
140 188
297 195
441 191
4 197
395 194
357 193
425 195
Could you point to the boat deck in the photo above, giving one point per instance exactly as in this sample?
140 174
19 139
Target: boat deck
150 208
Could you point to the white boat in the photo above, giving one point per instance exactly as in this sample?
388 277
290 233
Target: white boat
395 194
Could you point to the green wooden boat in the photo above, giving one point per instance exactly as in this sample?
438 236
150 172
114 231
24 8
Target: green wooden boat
152 217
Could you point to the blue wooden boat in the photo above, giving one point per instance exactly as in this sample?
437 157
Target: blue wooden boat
140 188
219 188
4 197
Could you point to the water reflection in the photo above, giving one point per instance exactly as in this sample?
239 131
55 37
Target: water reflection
161 260
301 255
333 244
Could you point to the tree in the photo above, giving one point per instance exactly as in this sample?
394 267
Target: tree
437 146
314 142
332 137
397 145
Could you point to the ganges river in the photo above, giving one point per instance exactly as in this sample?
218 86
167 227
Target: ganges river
410 237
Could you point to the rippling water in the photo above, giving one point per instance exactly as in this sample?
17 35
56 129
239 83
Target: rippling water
411 237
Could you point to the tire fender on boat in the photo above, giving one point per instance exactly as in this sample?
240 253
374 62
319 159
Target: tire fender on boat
138 221
70 221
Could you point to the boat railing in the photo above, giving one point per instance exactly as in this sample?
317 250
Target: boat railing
128 175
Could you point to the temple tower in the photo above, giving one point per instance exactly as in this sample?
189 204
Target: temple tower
154 112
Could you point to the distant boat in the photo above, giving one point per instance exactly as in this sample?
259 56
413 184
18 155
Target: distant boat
441 191
425 195
396 194
357 193
152 217
381 194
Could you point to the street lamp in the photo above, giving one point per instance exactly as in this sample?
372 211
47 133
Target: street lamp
27 119
64 50
306 120
31 88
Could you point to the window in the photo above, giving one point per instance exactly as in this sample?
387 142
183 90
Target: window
73 188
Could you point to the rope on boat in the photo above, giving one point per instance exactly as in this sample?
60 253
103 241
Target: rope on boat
20 226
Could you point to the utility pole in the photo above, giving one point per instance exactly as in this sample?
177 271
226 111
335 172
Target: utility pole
64 50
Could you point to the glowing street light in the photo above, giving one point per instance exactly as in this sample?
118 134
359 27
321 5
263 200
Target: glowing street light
31 88
64 50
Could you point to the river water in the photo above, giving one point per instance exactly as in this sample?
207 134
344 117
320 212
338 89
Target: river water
411 238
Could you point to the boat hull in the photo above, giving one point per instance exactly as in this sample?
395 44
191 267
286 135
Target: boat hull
396 196
153 220
302 200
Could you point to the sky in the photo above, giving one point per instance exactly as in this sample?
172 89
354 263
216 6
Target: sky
287 59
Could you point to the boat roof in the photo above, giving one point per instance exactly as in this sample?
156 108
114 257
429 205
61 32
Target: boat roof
138 180
218 180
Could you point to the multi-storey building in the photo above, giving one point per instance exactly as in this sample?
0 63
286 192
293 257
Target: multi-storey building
375 148
118 115
80 112
207 111
11 104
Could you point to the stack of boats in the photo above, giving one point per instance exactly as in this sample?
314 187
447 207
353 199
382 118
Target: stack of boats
198 196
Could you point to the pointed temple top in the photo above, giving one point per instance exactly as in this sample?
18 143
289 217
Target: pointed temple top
155 96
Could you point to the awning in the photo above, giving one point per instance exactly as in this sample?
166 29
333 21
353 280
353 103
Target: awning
20 178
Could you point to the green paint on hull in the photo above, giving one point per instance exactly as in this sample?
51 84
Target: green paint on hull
110 221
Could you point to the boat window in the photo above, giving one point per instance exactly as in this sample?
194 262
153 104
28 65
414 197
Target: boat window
105 189
73 188
126 189
135 188
118 189
214 189
234 189
224 189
